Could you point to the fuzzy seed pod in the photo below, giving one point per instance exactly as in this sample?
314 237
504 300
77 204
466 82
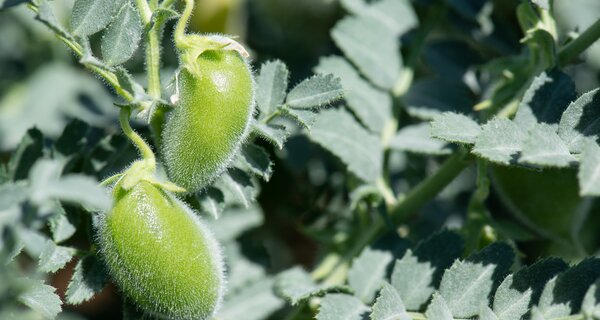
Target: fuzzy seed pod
211 119
161 255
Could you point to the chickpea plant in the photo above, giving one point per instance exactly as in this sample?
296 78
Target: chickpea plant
453 169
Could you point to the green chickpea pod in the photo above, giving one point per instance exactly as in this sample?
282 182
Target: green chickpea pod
160 254
211 119
214 105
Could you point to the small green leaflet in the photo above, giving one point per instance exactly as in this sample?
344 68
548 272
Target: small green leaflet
455 127
272 133
271 86
41 298
337 131
467 284
46 16
89 278
296 285
367 273
543 147
371 105
54 257
254 302
389 305
419 272
485 313
519 291
122 37
397 15
257 160
589 170
546 99
27 152
315 92
500 141
32 241
563 295
581 120
212 201
237 187
60 224
591 302
372 47
417 138
338 306
304 117
438 309
89 17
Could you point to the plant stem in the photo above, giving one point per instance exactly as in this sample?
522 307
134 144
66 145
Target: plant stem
416 198
144 10
429 188
153 62
179 33
142 146
107 75
152 49
156 117
579 44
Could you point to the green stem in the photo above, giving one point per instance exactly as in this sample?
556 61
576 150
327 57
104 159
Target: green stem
153 62
142 146
152 49
574 48
429 188
153 66
179 33
144 10
167 3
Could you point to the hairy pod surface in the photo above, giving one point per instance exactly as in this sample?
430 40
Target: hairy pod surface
206 128
161 255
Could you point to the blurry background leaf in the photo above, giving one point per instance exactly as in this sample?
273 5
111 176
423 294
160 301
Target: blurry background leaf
67 93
